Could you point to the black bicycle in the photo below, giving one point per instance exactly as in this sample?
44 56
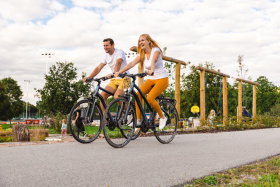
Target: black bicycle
90 125
124 106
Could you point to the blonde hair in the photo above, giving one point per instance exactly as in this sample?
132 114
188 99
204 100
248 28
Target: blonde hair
141 52
212 111
64 121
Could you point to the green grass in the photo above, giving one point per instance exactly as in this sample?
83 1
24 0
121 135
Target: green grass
6 126
51 131
262 173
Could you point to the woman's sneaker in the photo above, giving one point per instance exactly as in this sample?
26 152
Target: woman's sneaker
162 123
130 120
139 123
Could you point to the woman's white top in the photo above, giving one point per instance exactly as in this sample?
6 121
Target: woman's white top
160 71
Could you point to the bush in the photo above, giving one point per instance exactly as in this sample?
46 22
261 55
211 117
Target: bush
6 139
56 121
275 110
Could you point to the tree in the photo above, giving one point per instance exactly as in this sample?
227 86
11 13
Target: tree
267 95
14 94
31 109
4 103
190 90
61 90
242 72
170 68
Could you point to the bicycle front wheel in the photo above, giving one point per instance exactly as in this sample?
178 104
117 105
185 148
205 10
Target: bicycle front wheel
88 128
130 120
118 131
167 134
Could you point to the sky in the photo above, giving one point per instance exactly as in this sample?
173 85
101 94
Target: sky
216 31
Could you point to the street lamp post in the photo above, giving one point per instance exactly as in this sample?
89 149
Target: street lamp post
27 81
49 55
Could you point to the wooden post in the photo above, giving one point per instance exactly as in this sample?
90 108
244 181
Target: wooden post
239 102
202 92
177 87
254 110
202 96
225 101
140 70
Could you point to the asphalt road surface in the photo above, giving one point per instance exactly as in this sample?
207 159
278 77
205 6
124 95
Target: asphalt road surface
143 162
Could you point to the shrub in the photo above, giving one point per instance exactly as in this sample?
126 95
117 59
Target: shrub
6 139
56 121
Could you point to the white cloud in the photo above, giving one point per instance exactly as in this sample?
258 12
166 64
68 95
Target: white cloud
197 31
27 10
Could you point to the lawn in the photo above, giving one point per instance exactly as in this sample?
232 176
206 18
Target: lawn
261 173
51 131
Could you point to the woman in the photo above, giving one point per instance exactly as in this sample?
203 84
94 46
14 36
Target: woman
79 121
150 55
211 116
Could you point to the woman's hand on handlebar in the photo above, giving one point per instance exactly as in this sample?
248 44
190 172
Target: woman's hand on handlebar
150 72
116 74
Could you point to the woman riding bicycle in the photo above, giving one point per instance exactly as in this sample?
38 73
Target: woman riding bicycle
150 55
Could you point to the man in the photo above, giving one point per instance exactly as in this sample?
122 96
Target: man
245 112
116 60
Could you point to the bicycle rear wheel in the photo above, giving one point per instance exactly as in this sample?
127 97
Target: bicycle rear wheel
90 127
117 132
167 134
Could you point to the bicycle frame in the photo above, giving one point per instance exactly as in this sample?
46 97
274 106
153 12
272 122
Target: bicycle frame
96 95
133 93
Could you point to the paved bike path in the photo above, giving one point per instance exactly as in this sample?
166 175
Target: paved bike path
143 162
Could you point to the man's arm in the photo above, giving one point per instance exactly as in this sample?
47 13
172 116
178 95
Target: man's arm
95 71
118 65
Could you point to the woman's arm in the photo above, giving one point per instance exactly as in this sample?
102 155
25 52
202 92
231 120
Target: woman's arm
129 66
77 116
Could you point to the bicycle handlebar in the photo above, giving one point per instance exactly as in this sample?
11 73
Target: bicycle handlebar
99 79
141 75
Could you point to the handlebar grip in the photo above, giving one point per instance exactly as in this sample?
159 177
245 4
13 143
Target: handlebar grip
89 79
105 78
122 75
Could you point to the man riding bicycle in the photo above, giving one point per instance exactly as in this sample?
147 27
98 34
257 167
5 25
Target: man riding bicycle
116 60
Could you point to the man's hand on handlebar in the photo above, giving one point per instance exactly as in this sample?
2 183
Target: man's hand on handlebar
85 79
109 76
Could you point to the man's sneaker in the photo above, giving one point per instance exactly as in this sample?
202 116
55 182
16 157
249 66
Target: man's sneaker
130 120
162 123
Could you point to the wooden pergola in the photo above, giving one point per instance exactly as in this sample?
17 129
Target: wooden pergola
254 109
202 92
177 76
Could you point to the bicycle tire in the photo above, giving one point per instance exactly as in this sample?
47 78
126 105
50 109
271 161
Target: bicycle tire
116 132
167 134
91 121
